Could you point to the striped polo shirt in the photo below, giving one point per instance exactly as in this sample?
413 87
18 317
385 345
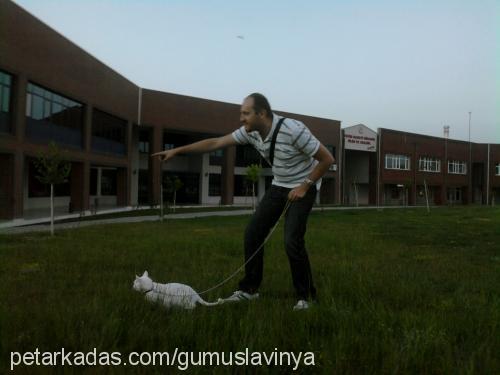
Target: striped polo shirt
293 152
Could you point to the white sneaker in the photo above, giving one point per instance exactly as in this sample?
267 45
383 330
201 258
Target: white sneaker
301 305
240 295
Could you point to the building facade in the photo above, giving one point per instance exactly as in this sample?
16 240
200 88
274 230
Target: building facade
414 169
53 91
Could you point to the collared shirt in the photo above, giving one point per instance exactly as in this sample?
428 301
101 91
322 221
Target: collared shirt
293 152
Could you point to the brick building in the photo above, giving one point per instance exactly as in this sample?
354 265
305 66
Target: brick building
392 167
52 90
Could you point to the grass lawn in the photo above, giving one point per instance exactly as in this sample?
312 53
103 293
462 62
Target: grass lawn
401 291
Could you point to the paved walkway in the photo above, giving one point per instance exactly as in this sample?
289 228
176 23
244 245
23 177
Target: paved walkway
45 227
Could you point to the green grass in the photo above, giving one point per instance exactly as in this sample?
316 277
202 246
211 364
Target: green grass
401 291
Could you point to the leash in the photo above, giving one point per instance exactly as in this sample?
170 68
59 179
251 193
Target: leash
287 205
252 256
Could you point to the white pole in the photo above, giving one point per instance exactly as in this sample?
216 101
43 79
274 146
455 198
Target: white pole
340 168
379 131
488 178
426 196
356 192
161 191
52 209
253 196
139 107
471 192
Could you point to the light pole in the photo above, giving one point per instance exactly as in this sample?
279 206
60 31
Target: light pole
470 164
445 167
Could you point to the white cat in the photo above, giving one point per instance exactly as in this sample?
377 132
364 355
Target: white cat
171 294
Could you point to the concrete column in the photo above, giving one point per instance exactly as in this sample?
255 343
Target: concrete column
86 185
87 128
134 167
98 190
129 176
19 107
262 187
6 186
204 178
121 187
76 191
19 165
80 185
227 175
156 173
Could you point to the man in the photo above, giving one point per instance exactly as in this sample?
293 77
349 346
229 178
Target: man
300 161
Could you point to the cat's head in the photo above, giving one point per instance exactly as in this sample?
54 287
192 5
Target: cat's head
143 283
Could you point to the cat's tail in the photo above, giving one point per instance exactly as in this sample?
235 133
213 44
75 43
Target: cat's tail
220 301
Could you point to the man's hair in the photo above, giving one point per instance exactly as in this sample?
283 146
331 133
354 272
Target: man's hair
260 103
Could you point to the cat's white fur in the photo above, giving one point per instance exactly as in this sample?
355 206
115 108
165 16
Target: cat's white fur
171 294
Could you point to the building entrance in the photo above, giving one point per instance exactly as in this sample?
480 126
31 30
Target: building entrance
359 165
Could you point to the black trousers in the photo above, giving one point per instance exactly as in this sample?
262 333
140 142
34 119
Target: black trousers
266 215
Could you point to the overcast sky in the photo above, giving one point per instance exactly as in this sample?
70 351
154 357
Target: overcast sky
408 65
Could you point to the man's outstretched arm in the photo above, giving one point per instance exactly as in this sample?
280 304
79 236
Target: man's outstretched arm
207 145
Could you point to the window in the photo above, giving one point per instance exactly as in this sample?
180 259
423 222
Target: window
93 181
144 141
497 169
144 147
108 182
397 162
217 153
454 195
37 189
457 167
108 133
331 148
243 187
168 146
216 157
214 185
428 164
173 140
53 117
5 92
246 155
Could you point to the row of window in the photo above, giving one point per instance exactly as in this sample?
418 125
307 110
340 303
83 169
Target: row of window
44 105
5 84
425 164
108 183
51 116
242 187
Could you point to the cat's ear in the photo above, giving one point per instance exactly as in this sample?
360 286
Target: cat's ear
136 277
145 274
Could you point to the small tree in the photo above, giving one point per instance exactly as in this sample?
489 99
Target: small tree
173 184
52 169
253 172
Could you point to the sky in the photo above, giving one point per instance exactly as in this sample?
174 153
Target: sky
414 65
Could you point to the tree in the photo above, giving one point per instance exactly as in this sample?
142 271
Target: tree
52 170
253 172
173 184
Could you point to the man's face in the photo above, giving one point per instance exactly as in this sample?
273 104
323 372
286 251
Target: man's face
249 118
